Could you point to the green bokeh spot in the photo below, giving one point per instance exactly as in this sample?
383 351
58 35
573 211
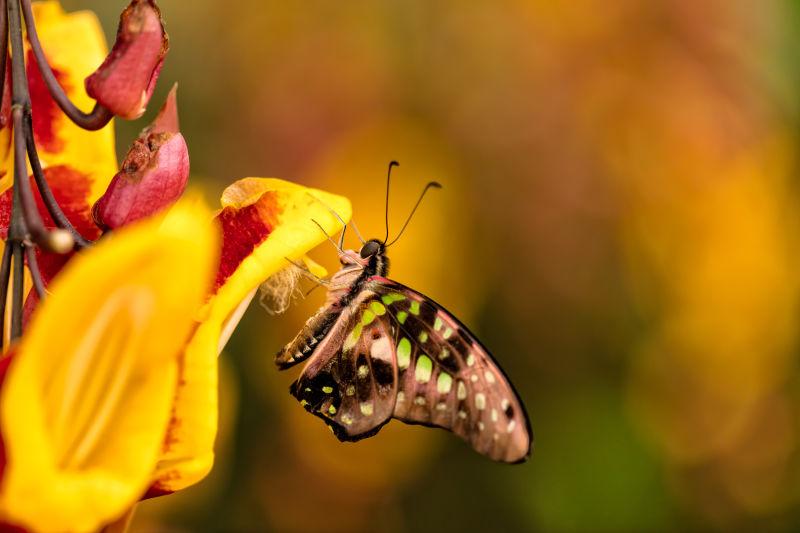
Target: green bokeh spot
590 470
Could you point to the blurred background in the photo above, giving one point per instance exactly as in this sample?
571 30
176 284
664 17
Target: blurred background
619 224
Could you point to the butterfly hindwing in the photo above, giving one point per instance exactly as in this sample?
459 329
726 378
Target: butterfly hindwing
350 380
447 379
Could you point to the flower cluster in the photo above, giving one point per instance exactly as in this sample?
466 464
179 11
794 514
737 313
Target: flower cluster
116 294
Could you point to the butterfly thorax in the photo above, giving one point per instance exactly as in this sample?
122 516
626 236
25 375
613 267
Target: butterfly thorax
357 268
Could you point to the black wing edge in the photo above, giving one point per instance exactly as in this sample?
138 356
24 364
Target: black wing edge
338 430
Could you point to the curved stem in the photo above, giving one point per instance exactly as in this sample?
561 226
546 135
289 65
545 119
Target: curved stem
97 118
46 193
33 220
5 276
18 292
3 48
36 274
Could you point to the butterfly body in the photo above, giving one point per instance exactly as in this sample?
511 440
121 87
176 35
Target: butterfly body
379 350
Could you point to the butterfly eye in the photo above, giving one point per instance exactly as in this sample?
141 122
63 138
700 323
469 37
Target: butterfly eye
370 249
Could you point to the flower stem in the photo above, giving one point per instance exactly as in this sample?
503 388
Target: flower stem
18 287
36 274
21 107
3 48
46 194
97 118
5 275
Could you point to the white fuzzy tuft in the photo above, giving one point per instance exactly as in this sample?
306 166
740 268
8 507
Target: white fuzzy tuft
278 292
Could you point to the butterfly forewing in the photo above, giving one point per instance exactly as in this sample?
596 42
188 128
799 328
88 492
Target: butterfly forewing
446 378
351 380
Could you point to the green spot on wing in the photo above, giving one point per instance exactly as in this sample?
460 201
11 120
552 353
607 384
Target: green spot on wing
389 299
401 317
403 353
444 383
423 370
414 309
377 308
367 317
352 339
327 390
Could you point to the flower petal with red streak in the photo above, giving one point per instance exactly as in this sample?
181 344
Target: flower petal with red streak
45 113
243 229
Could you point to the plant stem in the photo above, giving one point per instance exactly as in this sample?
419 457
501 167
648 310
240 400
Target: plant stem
97 118
46 193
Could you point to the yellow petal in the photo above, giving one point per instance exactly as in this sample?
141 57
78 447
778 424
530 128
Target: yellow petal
314 267
74 45
88 397
188 452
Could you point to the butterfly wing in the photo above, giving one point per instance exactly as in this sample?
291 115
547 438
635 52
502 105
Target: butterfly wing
448 379
350 381
393 352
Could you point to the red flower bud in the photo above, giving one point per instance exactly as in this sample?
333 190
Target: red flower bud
125 81
153 175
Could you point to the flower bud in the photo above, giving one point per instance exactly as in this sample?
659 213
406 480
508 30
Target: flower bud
153 176
125 81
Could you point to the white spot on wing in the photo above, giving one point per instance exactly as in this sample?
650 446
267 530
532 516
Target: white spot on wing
480 401
382 349
462 390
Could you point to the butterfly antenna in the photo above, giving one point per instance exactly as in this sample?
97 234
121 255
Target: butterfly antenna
358 233
388 181
431 185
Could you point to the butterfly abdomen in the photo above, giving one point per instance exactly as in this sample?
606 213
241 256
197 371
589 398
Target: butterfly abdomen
304 344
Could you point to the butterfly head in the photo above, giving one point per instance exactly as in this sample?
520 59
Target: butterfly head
371 259
371 248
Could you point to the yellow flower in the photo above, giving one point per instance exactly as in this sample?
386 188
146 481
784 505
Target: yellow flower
90 389
113 388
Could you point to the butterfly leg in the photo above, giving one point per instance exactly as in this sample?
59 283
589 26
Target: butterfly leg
338 247
308 274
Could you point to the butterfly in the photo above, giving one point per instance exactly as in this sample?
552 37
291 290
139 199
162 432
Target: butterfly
378 350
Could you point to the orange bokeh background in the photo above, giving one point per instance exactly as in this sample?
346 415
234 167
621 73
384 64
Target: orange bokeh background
618 224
